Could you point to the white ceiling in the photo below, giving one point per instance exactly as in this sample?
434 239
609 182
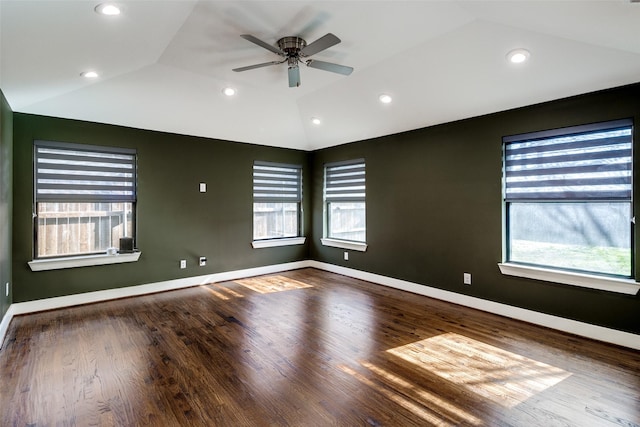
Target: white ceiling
163 64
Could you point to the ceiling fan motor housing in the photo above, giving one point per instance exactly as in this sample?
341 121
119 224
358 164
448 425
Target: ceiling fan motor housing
291 46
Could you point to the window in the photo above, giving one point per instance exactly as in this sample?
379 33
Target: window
344 198
85 198
568 198
277 200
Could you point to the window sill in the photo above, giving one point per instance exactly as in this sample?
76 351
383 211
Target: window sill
344 244
287 241
623 286
81 261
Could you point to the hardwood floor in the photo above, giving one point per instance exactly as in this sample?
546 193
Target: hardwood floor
305 348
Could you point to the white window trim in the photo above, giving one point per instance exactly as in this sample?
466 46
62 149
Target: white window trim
270 243
610 284
81 261
344 244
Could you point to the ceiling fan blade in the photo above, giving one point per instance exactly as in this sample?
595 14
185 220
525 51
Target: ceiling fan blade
251 67
329 66
260 43
324 42
294 76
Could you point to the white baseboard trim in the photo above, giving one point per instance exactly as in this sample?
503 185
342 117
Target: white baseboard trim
4 324
587 330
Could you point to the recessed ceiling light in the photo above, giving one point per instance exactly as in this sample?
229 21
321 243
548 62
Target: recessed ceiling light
229 91
385 99
518 56
89 74
108 9
316 121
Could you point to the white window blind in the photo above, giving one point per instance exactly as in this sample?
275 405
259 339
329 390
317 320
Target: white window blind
66 172
592 162
345 181
276 182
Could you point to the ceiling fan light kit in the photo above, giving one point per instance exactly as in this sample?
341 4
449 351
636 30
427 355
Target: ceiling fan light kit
295 50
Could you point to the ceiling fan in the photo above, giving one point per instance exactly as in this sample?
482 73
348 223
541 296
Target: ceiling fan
295 50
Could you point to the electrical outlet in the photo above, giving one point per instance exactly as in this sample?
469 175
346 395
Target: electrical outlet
6 289
183 263
203 261
203 187
466 278
346 256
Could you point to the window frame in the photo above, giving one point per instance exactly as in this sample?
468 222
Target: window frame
59 261
589 279
356 194
283 194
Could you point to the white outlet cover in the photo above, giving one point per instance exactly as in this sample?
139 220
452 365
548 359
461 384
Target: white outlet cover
183 263
467 278
203 187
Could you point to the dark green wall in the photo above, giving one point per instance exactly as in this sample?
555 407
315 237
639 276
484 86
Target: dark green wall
175 221
6 144
434 208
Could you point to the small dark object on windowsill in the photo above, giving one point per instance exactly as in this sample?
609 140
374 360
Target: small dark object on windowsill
126 245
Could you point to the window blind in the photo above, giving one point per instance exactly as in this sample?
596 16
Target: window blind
588 163
276 182
345 181
67 172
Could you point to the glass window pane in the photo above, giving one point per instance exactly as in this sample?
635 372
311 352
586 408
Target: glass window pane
275 220
585 236
347 221
81 228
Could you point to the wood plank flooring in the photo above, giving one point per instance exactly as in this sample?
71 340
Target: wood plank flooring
305 348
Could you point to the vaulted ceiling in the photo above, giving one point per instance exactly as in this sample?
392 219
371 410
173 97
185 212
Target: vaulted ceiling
163 64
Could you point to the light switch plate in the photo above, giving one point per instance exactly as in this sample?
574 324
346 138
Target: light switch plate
466 278
203 187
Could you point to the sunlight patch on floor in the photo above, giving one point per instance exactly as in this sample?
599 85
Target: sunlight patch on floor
269 284
398 398
226 290
222 292
215 293
498 375
425 398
